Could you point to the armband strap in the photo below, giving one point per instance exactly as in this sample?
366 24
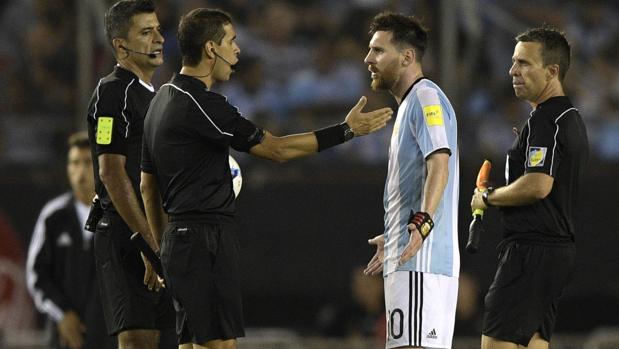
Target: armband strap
333 135
257 137
423 222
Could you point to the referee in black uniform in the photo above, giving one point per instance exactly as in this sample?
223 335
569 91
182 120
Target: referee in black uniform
539 203
140 316
61 263
188 132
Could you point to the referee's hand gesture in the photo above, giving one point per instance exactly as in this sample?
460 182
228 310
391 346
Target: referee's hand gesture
363 123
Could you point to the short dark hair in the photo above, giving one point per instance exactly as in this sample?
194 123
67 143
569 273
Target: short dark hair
118 18
78 139
555 48
406 30
196 28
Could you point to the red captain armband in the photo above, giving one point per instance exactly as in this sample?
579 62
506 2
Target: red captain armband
423 222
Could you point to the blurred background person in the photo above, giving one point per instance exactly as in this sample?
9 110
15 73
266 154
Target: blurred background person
61 263
360 321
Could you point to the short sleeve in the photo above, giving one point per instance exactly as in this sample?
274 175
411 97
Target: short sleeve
222 123
427 122
111 119
542 152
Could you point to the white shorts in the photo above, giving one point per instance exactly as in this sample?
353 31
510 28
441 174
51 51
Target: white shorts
421 309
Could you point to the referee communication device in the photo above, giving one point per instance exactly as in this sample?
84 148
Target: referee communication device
150 55
476 229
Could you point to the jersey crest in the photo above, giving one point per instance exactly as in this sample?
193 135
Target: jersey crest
537 155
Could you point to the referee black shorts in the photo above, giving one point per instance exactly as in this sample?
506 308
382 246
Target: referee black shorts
201 266
127 302
524 295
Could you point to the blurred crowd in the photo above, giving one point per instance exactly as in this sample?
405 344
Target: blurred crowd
301 66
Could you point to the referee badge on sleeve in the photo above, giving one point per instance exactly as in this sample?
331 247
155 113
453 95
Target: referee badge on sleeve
104 130
537 155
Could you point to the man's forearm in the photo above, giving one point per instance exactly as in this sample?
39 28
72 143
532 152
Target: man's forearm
436 181
125 201
155 214
525 190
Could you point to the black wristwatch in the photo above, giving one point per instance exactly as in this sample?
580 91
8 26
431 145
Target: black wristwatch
348 132
484 196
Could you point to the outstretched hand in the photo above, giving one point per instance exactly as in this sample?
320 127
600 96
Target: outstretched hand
363 123
375 266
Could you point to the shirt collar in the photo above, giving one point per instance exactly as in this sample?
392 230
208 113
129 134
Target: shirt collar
554 101
128 74
411 87
187 79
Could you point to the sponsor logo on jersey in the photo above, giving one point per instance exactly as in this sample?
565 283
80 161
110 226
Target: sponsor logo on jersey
432 334
537 155
433 115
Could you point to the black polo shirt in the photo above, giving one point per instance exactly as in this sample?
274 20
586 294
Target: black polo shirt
553 141
187 134
115 125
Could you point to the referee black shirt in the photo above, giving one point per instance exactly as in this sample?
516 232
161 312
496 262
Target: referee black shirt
187 134
553 141
115 125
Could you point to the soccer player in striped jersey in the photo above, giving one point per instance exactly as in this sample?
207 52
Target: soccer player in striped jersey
418 252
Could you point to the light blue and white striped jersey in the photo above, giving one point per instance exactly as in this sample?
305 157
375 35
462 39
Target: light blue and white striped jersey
425 123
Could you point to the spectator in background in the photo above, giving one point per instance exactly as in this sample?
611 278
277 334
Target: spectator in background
361 320
329 81
50 60
257 96
468 309
61 264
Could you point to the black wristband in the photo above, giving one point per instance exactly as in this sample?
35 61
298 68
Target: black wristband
333 135
484 196
423 222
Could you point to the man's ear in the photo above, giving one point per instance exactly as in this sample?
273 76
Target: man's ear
117 43
552 71
409 56
209 47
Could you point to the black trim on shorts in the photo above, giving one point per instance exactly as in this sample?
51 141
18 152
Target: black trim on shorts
420 305
414 330
410 305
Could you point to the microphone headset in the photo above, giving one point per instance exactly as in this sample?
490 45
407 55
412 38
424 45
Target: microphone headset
150 55
213 67
223 59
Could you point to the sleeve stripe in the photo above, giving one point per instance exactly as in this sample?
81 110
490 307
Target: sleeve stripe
526 151
38 239
94 115
554 147
199 107
125 108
